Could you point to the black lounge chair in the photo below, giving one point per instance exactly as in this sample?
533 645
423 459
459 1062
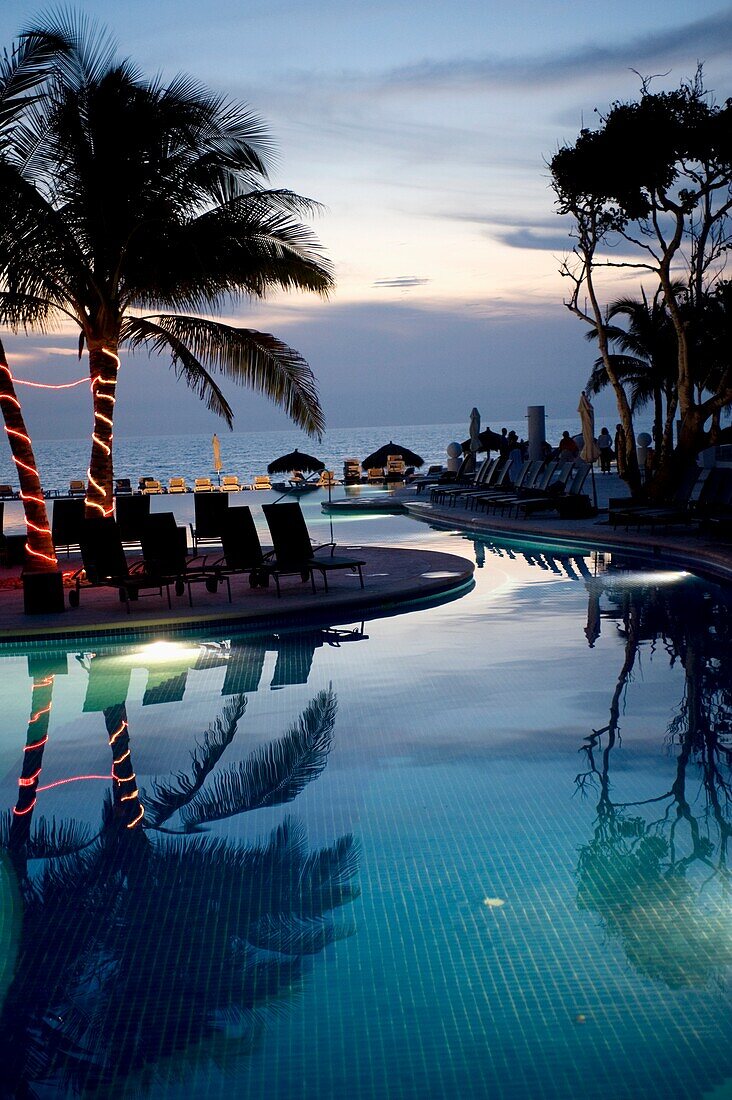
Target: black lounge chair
165 554
677 511
66 522
132 513
294 551
122 486
488 473
105 565
559 493
242 549
210 511
543 475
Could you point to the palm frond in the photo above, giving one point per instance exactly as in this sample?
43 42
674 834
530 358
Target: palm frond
255 359
49 839
288 934
140 332
165 798
275 773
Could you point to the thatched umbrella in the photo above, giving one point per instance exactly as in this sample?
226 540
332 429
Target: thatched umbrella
379 458
487 441
296 460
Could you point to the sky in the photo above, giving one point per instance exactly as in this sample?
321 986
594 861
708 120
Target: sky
424 130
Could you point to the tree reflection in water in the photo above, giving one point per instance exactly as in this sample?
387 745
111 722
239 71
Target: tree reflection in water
149 946
655 871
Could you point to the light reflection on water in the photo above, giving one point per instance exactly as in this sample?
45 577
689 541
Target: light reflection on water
479 848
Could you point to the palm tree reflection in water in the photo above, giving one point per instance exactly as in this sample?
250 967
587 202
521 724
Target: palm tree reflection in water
150 946
655 871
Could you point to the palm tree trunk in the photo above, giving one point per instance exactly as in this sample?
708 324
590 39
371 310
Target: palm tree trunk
125 794
40 555
103 368
36 739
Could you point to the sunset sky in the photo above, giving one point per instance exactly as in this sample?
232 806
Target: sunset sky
424 130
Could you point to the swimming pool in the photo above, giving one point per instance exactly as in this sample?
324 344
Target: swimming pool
478 849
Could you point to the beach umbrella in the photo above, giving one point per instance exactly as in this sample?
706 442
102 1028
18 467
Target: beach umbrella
379 458
295 460
590 451
474 430
217 463
488 439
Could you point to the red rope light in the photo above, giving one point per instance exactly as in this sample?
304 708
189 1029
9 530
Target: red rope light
39 714
27 810
28 781
100 380
70 779
36 744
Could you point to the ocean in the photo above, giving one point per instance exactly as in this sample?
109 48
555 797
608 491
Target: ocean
248 453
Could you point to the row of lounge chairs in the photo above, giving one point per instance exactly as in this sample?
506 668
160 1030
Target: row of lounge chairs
536 486
702 499
166 562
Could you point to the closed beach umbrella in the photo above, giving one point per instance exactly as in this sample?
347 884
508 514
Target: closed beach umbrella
590 451
474 430
296 460
379 458
217 463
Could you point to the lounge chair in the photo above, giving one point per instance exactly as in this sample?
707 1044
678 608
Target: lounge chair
105 565
375 473
688 491
150 486
132 515
396 468
77 488
464 475
7 492
327 479
209 512
294 551
261 481
351 471
122 487
230 484
563 494
204 485
165 555
503 486
177 485
553 473
486 475
242 549
66 522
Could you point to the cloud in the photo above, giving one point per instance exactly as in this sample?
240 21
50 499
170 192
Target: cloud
710 37
401 281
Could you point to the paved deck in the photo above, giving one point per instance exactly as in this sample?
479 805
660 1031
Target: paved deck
392 579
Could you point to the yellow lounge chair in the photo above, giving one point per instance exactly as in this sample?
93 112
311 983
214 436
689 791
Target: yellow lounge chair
177 485
351 470
327 479
230 484
77 488
261 481
203 485
395 466
150 486
375 473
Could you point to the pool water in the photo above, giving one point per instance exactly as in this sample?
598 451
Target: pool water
478 849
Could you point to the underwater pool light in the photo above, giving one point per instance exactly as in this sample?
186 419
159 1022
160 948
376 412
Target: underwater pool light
165 651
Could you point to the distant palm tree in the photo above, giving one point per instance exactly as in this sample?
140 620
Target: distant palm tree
124 194
646 361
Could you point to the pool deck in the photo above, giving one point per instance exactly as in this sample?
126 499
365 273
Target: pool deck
393 579
678 547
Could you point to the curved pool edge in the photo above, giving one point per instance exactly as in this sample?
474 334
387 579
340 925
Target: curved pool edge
706 560
407 587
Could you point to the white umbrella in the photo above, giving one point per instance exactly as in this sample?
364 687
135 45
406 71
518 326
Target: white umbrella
217 463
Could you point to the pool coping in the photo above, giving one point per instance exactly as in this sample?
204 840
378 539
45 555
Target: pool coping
410 591
706 559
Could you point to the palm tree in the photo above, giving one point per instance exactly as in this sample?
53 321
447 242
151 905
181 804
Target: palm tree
645 363
124 195
166 950
21 75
